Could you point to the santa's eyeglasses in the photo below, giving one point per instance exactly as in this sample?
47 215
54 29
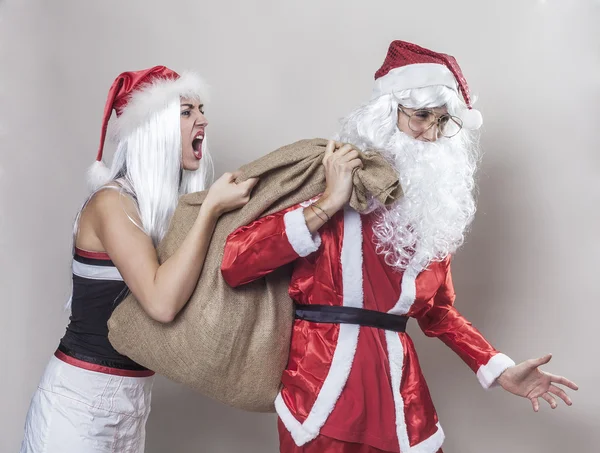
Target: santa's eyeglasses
422 120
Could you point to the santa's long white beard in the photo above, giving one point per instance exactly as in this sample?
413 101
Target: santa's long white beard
431 220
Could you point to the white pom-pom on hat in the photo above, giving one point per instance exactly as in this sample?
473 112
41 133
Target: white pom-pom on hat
98 174
471 119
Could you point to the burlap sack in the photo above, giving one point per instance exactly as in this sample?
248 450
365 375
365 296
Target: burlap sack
232 344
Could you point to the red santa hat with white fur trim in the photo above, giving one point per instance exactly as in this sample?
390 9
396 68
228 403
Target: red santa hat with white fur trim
135 96
409 66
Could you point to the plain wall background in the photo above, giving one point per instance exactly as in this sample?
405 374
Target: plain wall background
281 71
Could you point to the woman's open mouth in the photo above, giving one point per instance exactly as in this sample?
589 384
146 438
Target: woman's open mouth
197 144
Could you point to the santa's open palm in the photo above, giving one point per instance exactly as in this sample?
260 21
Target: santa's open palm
528 381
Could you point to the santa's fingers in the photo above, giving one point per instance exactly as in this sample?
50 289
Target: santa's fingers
561 394
329 149
347 157
337 153
550 400
331 146
354 163
562 380
344 149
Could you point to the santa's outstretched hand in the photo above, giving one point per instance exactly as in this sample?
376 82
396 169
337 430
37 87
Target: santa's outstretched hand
527 380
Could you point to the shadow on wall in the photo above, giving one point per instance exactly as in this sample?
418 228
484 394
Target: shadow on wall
183 421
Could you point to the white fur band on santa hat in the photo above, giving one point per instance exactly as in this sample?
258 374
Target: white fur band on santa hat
423 75
156 96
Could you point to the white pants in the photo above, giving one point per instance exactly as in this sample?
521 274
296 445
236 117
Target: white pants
79 411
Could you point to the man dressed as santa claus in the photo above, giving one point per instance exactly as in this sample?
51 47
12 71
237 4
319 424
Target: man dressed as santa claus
353 381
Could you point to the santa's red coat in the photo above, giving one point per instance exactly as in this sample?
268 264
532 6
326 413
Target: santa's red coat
346 382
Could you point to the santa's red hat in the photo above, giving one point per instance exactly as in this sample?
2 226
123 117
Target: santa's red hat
135 96
409 66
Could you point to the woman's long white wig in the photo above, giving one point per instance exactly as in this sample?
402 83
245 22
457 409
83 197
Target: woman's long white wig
147 165
148 160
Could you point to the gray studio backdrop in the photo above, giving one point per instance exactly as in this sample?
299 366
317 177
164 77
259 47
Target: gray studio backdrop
281 71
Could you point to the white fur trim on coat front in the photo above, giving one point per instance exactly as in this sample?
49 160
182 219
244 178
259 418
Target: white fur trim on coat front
408 292
155 97
343 356
434 442
330 392
488 373
299 236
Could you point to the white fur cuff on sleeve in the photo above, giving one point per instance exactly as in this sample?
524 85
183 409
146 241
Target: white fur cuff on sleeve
298 234
487 374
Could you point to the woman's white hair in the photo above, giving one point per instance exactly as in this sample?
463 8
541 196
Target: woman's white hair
147 166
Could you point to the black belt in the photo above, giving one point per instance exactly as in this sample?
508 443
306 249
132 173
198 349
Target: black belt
350 315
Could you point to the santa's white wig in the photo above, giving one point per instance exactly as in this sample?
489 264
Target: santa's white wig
438 206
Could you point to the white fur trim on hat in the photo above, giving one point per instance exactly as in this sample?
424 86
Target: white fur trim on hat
156 96
421 75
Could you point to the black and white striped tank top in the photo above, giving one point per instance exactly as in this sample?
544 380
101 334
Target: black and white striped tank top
98 288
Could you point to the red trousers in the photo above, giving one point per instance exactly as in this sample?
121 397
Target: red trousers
322 444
